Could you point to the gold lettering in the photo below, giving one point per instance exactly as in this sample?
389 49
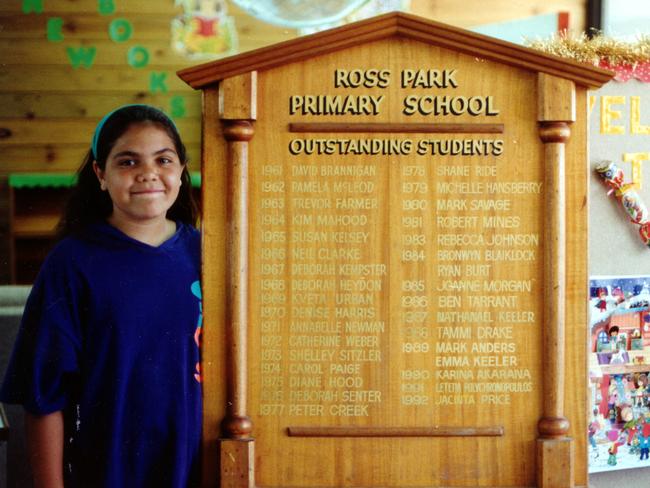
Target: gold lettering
446 105
477 269
447 387
349 410
455 332
488 387
501 301
357 396
510 255
520 317
451 347
431 78
445 170
306 410
635 117
637 159
335 104
493 347
345 368
463 222
485 170
494 361
455 400
608 115
494 332
503 399
592 102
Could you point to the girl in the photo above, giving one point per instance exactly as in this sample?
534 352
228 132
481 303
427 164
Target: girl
104 363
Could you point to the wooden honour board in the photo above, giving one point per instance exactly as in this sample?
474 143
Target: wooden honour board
395 271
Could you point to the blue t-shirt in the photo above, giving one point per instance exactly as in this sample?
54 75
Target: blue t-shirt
110 337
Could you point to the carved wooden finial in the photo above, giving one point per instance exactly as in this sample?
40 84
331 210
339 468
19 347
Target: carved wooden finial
552 427
550 132
238 130
237 427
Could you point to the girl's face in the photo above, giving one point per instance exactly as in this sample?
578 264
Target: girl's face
142 175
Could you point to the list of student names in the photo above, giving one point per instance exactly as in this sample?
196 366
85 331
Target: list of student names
355 294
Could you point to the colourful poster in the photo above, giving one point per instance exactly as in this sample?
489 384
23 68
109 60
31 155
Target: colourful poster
619 422
204 30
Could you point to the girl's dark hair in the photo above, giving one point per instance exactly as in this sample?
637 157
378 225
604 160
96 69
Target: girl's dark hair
88 204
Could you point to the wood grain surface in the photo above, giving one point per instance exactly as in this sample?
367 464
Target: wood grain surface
355 356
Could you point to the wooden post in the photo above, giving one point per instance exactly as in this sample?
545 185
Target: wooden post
237 102
556 105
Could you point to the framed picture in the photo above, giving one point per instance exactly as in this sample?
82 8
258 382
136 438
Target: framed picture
619 424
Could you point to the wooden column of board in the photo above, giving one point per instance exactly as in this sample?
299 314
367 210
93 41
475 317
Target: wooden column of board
237 110
556 107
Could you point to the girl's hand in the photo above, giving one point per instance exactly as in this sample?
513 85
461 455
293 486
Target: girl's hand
45 447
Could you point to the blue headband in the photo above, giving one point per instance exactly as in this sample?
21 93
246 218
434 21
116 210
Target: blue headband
100 126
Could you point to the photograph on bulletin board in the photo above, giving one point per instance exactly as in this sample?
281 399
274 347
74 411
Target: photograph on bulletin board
619 366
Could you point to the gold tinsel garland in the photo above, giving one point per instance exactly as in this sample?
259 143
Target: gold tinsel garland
599 50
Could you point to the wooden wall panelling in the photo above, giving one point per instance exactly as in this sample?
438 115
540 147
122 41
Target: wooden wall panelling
59 144
73 131
117 78
62 157
36 105
49 105
252 33
50 108
129 7
83 21
80 24
109 53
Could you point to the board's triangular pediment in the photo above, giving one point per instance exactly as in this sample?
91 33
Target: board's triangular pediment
400 25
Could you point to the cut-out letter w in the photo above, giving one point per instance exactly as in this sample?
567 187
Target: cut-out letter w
81 56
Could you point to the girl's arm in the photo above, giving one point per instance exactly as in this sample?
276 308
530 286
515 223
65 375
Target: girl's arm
45 446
